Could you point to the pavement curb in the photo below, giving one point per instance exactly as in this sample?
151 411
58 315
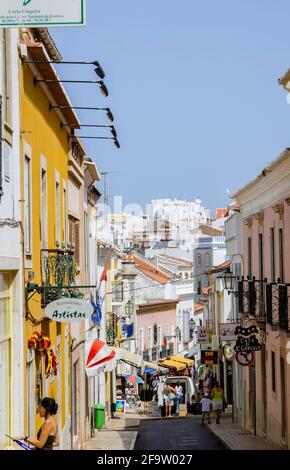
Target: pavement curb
224 441
133 441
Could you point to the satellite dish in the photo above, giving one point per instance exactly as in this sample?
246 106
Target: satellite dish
228 352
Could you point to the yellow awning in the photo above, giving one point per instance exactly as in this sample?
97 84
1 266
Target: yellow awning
169 363
183 360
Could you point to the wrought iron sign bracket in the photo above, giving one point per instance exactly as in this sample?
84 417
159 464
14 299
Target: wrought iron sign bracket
33 289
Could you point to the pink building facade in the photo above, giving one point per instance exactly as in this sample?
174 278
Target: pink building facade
156 325
265 210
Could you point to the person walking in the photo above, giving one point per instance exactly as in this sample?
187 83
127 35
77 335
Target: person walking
169 397
217 396
206 405
179 396
47 434
206 385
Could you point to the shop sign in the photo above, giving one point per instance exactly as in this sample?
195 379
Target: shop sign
42 13
227 331
247 340
209 358
69 310
245 359
202 334
121 406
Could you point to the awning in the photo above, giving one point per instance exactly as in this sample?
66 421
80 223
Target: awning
130 358
169 363
151 365
99 357
183 360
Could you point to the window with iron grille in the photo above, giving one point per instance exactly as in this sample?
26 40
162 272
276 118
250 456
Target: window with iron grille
117 288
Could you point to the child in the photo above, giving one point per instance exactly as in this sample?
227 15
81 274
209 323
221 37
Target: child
206 405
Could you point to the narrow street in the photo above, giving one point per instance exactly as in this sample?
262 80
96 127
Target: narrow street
176 434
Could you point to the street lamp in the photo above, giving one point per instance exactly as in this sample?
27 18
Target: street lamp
109 113
99 69
228 280
112 128
129 308
103 88
191 324
116 142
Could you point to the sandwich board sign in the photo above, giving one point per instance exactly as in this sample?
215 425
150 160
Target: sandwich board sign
42 13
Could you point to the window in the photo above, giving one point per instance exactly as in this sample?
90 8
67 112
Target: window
149 342
74 237
5 358
261 257
198 259
141 341
273 367
281 255
27 205
159 333
43 215
250 257
86 239
198 287
272 250
57 212
207 259
64 225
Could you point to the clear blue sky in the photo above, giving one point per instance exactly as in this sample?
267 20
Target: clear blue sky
193 86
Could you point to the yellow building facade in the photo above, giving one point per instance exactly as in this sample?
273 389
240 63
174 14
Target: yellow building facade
44 149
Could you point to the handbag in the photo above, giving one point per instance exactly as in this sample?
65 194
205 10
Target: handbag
172 396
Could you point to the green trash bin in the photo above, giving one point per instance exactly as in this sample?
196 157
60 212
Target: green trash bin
99 415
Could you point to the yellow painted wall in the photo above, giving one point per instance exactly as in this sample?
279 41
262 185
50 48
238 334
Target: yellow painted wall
41 131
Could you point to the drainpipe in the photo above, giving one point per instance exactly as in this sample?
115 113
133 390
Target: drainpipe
1 140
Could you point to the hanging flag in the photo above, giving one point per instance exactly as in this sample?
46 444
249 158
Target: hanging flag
97 314
104 275
99 357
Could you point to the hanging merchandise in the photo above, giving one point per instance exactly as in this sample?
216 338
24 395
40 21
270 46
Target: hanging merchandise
99 357
43 347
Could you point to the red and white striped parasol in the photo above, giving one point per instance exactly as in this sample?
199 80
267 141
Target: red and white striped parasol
99 357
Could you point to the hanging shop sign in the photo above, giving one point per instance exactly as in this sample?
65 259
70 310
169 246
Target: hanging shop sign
69 310
245 359
202 334
209 358
227 331
247 340
42 13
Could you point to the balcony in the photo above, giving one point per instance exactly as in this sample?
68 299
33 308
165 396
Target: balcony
278 306
58 269
251 297
117 292
111 329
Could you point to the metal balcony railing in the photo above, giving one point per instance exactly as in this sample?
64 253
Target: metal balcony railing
251 295
284 307
117 291
58 268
